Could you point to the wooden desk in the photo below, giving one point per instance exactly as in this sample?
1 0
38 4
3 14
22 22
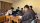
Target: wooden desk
2 18
15 19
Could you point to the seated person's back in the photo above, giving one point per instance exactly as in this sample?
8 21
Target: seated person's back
14 13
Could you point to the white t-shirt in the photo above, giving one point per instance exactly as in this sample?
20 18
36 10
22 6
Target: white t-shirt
9 12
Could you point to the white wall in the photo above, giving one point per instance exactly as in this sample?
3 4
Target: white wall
10 1
34 3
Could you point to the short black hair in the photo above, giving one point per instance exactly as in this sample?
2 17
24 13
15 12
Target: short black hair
21 8
12 8
30 6
18 7
26 6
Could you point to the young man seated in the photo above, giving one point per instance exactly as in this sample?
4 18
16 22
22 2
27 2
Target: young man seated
9 12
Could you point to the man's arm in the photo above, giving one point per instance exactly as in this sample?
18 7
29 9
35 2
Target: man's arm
7 13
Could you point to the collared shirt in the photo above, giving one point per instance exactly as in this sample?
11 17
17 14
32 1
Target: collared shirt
9 12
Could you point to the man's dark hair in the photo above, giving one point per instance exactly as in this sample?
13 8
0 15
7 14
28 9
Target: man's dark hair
21 8
26 6
31 7
18 7
12 8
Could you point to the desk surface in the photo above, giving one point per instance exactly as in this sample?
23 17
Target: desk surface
14 18
2 18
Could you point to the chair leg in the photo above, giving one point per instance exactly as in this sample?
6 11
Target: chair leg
12 21
15 22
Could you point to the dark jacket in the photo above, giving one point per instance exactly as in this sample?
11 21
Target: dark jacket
27 17
34 14
21 13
